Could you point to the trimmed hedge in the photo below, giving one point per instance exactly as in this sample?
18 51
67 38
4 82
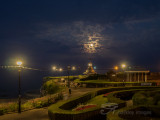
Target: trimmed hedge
151 112
116 115
63 109
70 105
146 98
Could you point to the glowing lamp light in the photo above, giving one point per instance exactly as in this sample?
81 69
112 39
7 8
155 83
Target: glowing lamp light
116 67
60 69
54 67
123 65
19 63
90 64
73 68
91 45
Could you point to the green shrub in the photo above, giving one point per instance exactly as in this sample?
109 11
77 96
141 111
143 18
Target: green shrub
27 105
30 104
50 87
3 111
146 98
98 100
157 97
150 101
13 107
90 77
139 99
59 96
158 103
42 102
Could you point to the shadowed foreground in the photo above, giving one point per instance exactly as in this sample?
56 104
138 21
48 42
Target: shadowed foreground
42 113
36 114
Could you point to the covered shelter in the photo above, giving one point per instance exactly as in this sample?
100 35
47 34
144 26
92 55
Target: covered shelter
136 75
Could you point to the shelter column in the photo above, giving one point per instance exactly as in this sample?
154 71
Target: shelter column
130 77
135 77
138 76
127 77
145 77
142 77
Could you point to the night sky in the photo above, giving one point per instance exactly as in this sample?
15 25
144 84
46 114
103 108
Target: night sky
52 32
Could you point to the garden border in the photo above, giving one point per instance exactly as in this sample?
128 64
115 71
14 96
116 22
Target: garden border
62 110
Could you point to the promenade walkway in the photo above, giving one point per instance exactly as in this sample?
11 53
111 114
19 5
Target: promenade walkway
42 113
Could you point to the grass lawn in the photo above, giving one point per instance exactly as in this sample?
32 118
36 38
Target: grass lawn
98 100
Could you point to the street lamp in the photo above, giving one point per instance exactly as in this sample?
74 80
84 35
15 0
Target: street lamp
68 71
73 68
19 63
123 67
116 68
54 68
60 69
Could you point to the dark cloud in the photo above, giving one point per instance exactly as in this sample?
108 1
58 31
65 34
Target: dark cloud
45 33
58 28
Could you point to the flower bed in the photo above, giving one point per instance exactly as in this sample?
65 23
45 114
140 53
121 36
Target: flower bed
105 95
82 107
30 104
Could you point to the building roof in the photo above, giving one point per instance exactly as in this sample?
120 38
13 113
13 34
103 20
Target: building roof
137 70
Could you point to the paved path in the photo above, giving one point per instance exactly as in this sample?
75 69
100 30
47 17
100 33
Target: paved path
36 114
42 113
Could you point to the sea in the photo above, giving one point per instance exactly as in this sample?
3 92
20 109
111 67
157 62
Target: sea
31 81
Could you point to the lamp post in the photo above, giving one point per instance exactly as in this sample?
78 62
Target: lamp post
68 74
19 63
54 68
123 67
68 70
60 69
116 68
